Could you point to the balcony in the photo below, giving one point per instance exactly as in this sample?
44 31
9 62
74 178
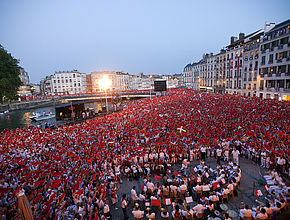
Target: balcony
279 60
245 79
263 51
250 79
280 47
255 79
262 63
271 49
256 68
270 62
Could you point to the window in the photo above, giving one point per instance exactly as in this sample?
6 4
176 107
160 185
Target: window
263 59
284 40
271 58
282 69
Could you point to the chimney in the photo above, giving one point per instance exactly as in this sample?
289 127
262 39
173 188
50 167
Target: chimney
241 36
233 39
268 26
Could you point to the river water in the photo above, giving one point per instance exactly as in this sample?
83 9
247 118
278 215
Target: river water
20 118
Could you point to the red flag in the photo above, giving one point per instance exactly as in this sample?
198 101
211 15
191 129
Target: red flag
158 178
167 201
155 202
176 173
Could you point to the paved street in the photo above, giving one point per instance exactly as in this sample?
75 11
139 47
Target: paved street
251 173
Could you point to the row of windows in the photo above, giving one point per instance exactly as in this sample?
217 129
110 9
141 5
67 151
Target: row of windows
278 56
275 69
275 43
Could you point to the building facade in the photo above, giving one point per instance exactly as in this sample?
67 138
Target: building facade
274 80
25 89
251 65
68 82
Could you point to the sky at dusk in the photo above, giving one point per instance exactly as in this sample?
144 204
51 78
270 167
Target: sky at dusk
149 36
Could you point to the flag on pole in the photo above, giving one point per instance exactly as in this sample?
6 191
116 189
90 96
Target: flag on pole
258 193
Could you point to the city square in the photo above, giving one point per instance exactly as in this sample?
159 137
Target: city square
144 110
73 168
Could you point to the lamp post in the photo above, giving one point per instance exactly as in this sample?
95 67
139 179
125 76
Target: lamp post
150 87
105 83
106 101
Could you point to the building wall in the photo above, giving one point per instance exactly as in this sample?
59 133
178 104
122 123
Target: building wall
274 81
68 82
254 65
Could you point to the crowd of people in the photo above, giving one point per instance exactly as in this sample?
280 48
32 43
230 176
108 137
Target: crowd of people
75 171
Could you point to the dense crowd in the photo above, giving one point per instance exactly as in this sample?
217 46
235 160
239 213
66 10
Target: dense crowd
71 171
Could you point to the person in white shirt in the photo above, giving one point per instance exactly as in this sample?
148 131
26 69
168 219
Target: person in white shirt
261 215
134 196
281 163
203 151
198 208
164 214
246 212
106 209
226 154
138 214
150 186
219 154
151 215
236 155
124 206
263 158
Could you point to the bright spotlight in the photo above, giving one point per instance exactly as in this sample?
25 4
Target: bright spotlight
105 83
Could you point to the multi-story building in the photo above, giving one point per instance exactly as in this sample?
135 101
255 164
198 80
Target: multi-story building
274 80
242 64
119 80
188 75
220 71
68 82
252 65
45 85
24 77
24 89
94 78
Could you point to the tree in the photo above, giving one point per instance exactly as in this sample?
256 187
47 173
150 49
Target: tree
9 76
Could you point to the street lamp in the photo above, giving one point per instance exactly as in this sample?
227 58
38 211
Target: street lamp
105 83
150 86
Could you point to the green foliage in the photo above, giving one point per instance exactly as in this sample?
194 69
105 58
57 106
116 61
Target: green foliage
9 76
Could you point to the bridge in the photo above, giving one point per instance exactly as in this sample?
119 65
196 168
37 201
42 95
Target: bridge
94 97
